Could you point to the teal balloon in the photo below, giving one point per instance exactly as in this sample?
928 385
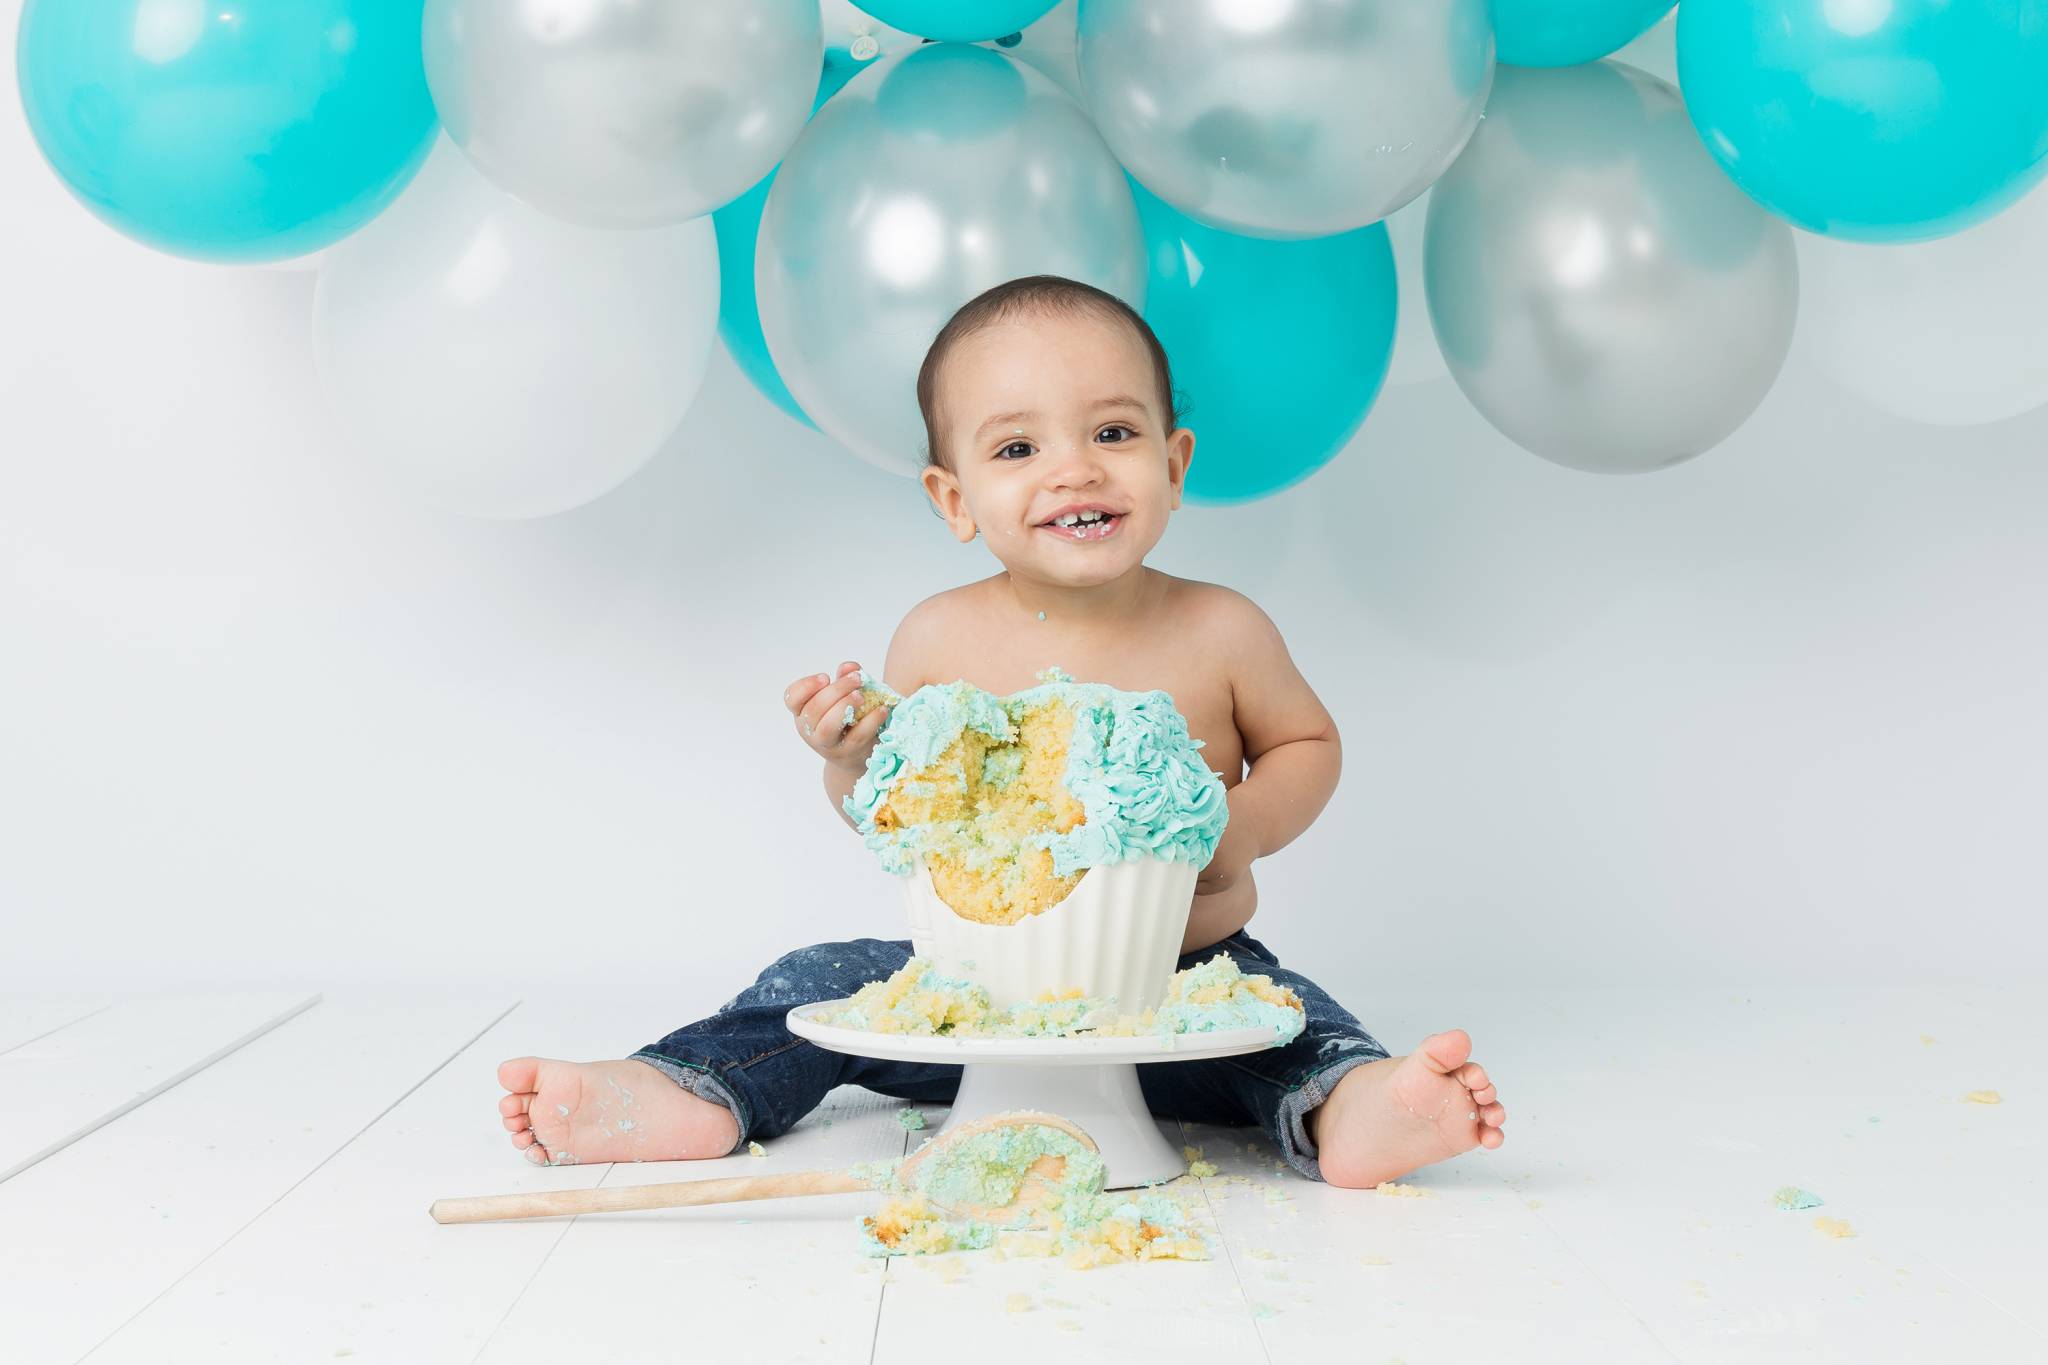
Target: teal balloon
241 130
1567 32
1876 122
737 226
1281 346
958 21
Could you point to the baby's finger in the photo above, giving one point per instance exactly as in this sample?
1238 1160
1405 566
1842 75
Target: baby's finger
865 729
802 690
837 723
823 714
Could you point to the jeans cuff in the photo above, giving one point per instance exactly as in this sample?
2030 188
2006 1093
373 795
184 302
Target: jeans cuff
1292 1120
704 1085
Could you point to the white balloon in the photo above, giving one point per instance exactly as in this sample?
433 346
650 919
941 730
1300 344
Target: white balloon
1949 332
502 363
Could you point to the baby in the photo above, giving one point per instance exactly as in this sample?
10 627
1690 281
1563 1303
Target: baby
1045 399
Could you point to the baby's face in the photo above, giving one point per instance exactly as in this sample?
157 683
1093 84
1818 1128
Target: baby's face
1048 413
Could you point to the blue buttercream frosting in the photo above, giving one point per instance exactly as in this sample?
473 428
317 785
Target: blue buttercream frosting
1131 763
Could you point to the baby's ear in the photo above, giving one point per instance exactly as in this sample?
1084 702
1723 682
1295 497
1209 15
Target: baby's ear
1180 453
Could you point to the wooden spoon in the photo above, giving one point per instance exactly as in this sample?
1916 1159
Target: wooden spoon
1031 1193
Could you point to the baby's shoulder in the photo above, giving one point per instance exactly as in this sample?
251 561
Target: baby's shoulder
1222 615
923 636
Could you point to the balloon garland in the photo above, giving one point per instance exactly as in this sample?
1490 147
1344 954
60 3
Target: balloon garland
1606 261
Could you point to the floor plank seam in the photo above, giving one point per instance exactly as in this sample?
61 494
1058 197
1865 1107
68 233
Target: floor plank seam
286 1193
269 1026
1598 1279
882 1293
538 1266
1216 1220
1988 1298
68 1023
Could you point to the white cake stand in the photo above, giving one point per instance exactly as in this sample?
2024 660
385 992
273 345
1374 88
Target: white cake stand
1091 1081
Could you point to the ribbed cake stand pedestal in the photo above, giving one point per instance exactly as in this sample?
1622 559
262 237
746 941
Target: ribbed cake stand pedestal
1091 1081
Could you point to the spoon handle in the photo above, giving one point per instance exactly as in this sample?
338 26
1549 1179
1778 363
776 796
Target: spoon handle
488 1208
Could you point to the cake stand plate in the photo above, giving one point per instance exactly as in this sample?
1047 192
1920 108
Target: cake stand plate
1090 1081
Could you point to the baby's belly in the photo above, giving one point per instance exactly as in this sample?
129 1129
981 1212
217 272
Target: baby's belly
1213 918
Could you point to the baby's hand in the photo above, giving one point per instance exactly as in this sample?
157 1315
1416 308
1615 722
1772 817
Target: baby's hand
828 717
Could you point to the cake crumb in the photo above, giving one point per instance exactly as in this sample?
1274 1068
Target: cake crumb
911 1119
1374 1260
1698 1288
1927 1040
1983 1097
756 1149
950 1268
1792 1197
1201 1170
1068 1325
1018 1303
1262 1253
1532 1203
1400 1191
1833 1227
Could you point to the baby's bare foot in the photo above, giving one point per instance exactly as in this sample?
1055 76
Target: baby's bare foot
1389 1117
561 1113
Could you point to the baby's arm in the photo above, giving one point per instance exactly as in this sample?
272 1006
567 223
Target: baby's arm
1289 738
902 672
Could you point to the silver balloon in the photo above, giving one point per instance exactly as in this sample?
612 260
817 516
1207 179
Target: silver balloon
1286 118
1603 294
931 177
620 113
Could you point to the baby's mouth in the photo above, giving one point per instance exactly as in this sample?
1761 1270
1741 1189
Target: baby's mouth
1086 530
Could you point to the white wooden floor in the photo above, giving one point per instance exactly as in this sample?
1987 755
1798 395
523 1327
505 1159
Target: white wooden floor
245 1178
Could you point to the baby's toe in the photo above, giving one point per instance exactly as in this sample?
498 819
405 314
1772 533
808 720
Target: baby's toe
517 1075
1490 1138
517 1123
1493 1115
524 1139
1473 1077
1483 1095
514 1104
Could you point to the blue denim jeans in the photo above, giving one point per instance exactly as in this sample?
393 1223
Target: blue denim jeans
744 1058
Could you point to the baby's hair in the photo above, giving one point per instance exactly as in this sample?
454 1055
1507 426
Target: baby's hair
1041 294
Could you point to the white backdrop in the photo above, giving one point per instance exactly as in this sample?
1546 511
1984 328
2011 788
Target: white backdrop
1773 715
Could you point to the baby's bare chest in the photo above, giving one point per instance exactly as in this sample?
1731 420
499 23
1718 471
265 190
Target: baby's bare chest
1003 663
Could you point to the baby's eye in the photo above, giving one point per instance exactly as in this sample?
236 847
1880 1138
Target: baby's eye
1128 433
1014 445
